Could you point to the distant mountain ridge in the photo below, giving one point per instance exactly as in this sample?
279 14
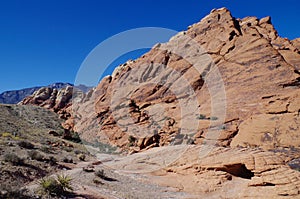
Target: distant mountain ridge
15 96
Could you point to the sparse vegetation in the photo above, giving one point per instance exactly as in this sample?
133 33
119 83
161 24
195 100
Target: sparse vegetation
100 174
35 155
201 117
6 134
67 160
204 117
13 159
81 157
13 192
97 181
131 140
103 147
59 186
26 144
65 182
45 149
72 136
223 127
27 151
52 160
50 186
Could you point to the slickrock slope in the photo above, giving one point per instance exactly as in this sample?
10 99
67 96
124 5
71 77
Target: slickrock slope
225 173
151 99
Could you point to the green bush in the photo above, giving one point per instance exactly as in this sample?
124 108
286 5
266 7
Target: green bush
50 186
46 149
13 159
65 182
59 186
72 136
100 174
35 155
201 117
131 140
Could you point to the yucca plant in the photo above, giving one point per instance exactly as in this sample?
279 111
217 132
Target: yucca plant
50 186
65 182
58 186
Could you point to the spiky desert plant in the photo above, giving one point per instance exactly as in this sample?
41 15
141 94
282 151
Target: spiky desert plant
50 186
58 186
65 182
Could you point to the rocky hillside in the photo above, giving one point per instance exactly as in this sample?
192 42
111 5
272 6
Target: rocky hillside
14 97
33 144
225 82
58 100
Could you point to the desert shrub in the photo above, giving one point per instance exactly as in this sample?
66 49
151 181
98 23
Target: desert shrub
45 149
26 144
58 186
103 176
76 151
67 160
6 134
105 148
81 157
13 159
67 149
213 118
35 155
131 140
97 181
222 127
100 174
76 137
8 191
201 117
50 186
72 136
52 160
65 182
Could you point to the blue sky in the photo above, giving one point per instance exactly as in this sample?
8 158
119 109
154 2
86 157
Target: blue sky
42 42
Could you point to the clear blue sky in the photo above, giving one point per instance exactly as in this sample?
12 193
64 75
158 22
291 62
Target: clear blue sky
45 41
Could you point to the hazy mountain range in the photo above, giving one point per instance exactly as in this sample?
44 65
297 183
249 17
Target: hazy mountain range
15 96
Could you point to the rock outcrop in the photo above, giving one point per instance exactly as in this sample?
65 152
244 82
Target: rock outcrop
178 81
224 173
14 97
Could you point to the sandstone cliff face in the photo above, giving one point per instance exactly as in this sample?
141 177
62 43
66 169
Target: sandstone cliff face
170 90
